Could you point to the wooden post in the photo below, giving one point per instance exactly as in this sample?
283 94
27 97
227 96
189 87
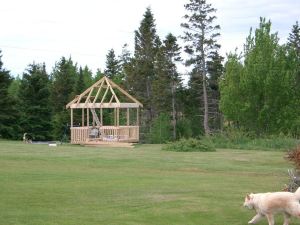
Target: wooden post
118 116
87 117
137 117
82 117
93 121
114 116
71 117
101 117
128 122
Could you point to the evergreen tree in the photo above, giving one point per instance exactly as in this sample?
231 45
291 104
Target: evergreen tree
294 39
14 87
142 72
34 95
113 67
87 77
8 113
98 76
80 85
64 78
200 36
172 53
125 60
215 70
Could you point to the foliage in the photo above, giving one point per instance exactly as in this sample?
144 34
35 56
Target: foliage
189 145
9 124
64 77
34 95
184 128
200 36
161 129
142 70
258 94
293 155
233 138
113 67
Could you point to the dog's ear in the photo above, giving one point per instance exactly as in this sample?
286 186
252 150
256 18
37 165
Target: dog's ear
248 197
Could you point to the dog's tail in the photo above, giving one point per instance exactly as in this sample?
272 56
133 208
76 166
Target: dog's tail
297 193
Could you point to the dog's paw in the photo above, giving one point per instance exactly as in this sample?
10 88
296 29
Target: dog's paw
251 222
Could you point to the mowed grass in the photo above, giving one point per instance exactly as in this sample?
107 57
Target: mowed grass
70 185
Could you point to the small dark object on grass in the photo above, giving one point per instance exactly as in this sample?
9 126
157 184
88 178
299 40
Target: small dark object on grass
189 145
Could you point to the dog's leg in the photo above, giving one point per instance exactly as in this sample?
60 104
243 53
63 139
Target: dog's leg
286 219
256 218
270 218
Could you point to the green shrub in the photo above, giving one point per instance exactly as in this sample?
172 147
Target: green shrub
189 145
244 140
161 130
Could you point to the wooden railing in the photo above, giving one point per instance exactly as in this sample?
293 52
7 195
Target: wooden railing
79 134
107 133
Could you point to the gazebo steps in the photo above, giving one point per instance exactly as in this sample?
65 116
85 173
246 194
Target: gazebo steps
109 144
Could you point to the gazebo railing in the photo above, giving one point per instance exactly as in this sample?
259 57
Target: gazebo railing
107 133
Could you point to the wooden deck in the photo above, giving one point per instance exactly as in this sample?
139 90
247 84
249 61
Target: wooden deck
82 135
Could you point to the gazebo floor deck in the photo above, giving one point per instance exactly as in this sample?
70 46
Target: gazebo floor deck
97 143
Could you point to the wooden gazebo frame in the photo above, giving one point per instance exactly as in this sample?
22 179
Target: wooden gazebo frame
103 95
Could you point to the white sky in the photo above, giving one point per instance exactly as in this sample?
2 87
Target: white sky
46 30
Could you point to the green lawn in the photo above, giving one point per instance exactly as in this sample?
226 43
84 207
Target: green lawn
41 185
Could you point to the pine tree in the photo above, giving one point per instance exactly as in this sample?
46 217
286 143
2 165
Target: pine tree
63 83
172 52
294 39
113 67
80 85
34 95
200 36
125 60
8 112
87 77
141 72
215 70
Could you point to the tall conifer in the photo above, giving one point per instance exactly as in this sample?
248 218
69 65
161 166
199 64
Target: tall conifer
200 37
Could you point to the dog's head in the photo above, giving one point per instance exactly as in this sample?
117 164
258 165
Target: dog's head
249 201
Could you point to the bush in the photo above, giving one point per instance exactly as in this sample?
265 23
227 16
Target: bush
294 156
160 130
189 145
245 140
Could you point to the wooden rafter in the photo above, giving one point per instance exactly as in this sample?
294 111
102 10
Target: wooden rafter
98 92
98 87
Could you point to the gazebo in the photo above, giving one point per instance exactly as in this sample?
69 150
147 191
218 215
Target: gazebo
104 113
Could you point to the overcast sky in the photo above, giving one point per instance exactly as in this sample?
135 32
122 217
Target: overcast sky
45 30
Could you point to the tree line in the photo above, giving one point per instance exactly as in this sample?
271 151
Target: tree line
256 90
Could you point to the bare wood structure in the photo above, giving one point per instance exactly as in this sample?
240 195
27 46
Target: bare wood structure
106 113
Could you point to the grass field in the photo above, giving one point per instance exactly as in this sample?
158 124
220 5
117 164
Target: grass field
72 185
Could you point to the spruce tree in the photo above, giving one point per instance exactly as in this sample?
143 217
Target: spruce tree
62 91
113 67
142 72
200 37
294 39
172 54
8 113
34 95
87 77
